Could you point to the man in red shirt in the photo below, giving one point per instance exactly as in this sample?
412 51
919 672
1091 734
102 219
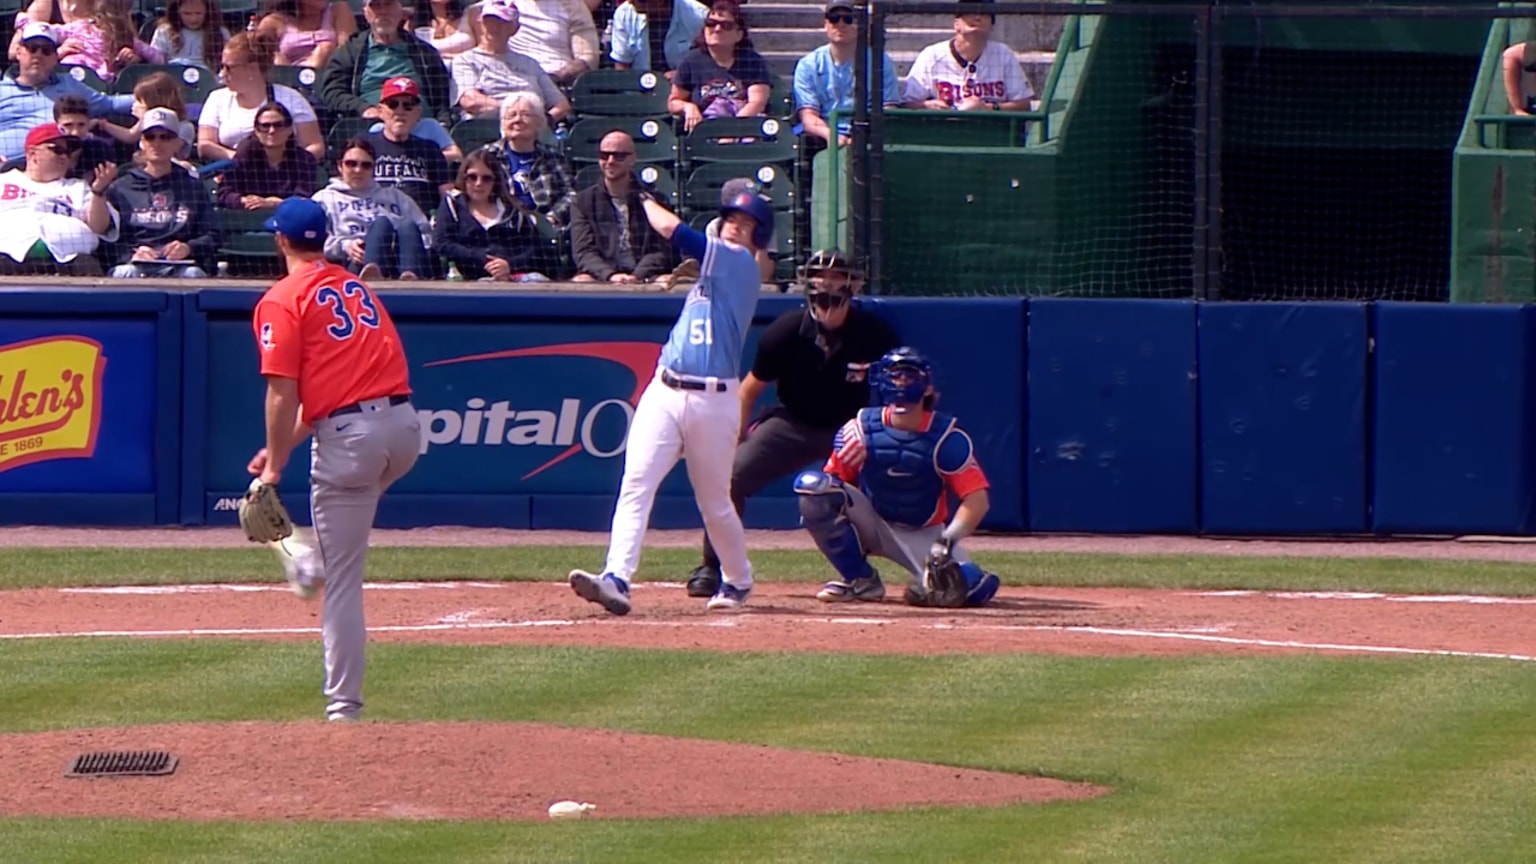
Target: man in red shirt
335 368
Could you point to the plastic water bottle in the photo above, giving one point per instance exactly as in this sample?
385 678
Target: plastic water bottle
223 269
453 273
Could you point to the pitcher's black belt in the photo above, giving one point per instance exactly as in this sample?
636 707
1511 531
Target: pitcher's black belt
357 407
677 383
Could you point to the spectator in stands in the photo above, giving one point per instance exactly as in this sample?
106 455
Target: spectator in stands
824 80
270 165
74 118
159 90
611 239
99 35
443 25
537 175
190 34
354 77
308 31
26 99
488 72
166 213
50 223
559 35
483 230
1514 66
229 113
970 72
723 76
412 165
655 35
375 230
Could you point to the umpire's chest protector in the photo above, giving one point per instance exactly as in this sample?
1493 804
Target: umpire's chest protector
901 474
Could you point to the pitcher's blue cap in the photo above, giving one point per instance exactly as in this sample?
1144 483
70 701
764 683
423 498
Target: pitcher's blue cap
299 219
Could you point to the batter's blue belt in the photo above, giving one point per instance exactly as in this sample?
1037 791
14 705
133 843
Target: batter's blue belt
677 383
357 407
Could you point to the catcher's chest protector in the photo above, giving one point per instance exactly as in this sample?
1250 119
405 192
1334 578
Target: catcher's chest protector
901 475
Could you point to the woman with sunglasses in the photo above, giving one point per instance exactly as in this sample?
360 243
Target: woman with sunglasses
723 76
269 166
375 230
229 113
481 228
168 227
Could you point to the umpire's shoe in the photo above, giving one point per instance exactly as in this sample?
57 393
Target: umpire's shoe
704 581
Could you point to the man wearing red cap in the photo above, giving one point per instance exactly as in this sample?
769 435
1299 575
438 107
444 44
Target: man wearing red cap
50 223
414 165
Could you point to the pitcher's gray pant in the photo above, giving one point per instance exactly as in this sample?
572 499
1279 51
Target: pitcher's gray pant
353 459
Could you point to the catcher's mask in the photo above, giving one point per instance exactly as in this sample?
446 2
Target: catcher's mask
904 379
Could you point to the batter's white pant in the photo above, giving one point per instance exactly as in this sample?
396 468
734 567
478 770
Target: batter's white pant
700 427
353 459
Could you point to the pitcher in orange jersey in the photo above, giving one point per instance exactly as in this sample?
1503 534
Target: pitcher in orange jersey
334 368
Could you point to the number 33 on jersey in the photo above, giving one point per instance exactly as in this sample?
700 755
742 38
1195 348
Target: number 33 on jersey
323 327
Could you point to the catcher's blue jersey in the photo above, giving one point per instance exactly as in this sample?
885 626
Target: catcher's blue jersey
711 333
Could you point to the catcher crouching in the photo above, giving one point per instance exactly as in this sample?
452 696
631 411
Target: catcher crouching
885 491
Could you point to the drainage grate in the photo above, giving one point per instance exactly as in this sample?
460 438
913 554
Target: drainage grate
122 763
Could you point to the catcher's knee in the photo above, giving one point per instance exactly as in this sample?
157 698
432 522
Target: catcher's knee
980 586
821 498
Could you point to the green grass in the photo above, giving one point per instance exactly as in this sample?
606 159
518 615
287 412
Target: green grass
39 568
1300 759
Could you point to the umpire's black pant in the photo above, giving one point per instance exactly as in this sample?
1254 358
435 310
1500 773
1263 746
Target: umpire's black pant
778 448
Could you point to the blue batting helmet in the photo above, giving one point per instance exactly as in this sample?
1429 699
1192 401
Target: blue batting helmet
757 207
902 377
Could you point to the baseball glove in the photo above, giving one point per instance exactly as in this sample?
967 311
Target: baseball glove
263 515
944 581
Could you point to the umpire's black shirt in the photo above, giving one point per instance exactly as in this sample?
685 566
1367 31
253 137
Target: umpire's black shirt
821 374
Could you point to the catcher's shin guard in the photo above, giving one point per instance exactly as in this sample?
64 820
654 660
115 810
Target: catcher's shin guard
981 586
824 513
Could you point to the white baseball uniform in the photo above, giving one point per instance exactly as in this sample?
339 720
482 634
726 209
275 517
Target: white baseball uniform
941 73
690 410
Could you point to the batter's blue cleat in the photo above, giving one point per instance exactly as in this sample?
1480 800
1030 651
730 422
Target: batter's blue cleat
729 598
606 590
869 589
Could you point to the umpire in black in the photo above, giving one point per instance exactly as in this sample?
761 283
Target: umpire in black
818 356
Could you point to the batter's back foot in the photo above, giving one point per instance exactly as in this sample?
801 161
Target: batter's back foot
606 590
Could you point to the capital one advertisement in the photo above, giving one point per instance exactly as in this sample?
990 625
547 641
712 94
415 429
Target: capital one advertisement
506 409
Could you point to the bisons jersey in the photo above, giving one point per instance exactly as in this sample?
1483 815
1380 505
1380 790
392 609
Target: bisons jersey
940 73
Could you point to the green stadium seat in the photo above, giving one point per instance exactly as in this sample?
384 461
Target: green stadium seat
301 78
196 82
741 139
87 76
340 131
654 139
701 191
246 243
621 93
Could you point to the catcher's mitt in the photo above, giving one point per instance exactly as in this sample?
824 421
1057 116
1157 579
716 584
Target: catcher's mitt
944 581
263 515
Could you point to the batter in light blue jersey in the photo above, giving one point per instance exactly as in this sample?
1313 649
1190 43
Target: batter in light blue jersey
691 410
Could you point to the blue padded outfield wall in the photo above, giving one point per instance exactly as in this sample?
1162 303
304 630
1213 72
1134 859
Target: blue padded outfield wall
142 406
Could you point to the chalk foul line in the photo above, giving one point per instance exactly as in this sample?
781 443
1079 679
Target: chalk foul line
737 621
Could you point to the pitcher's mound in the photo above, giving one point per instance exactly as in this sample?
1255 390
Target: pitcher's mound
374 770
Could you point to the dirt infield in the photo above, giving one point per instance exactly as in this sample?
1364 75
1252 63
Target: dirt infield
514 771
